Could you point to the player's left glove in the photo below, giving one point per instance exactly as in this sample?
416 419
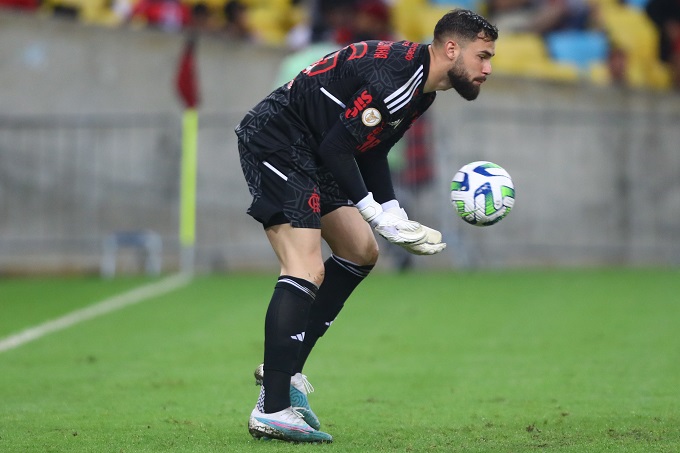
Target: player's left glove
395 229
429 245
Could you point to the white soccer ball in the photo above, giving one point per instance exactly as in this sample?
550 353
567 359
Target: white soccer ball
482 193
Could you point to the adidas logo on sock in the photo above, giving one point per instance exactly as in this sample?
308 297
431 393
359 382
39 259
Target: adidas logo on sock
298 337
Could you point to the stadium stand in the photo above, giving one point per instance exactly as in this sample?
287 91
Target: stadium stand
99 12
620 46
580 48
630 30
526 55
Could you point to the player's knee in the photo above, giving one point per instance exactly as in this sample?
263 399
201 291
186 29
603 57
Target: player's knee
362 253
368 254
374 253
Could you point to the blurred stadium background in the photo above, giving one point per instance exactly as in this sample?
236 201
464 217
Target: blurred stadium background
584 118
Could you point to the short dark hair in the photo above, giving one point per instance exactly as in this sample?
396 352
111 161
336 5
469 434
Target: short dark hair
466 24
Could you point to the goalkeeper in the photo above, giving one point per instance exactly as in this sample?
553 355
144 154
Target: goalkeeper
314 155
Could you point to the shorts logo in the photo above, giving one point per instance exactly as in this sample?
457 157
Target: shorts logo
314 202
371 117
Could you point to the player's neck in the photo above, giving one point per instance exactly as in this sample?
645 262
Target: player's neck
437 79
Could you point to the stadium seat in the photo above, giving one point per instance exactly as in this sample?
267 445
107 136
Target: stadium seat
631 30
415 19
472 5
637 4
428 18
88 11
525 55
271 20
405 18
580 48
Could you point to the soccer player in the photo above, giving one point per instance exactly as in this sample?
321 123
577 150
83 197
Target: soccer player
314 155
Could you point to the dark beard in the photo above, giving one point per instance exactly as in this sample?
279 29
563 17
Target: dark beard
461 82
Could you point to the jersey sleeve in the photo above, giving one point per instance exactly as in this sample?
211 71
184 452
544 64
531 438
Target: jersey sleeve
377 110
364 116
375 170
336 152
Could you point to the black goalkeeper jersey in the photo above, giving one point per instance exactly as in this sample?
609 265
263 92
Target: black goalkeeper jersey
375 88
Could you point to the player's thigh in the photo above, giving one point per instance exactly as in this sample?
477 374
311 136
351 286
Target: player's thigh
298 251
349 236
283 185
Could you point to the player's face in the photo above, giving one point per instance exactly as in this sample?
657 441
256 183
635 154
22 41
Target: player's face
471 68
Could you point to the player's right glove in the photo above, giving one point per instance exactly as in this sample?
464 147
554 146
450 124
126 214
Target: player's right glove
392 227
429 245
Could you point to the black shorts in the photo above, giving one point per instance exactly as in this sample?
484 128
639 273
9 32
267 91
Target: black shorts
289 187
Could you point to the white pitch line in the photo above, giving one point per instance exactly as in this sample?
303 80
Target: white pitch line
99 308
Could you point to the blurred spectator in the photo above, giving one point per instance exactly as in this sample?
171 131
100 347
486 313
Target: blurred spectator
666 15
412 164
539 16
371 21
235 17
20 4
167 15
617 66
122 9
331 20
343 22
202 18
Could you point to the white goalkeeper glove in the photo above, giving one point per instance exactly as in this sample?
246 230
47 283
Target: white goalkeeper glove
429 245
394 228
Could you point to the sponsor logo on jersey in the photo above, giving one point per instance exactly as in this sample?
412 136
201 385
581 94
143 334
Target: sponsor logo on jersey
359 104
383 49
372 140
396 123
371 117
411 53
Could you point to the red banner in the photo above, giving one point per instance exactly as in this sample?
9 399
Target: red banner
187 78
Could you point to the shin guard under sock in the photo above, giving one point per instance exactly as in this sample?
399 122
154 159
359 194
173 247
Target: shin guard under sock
341 277
285 324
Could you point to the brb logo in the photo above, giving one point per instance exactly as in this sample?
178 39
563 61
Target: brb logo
372 140
360 103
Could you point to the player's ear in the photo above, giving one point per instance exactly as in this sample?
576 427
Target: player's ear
452 49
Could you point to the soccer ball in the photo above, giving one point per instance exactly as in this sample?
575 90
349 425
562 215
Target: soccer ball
482 193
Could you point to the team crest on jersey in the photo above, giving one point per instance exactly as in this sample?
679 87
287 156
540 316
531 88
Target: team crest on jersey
371 117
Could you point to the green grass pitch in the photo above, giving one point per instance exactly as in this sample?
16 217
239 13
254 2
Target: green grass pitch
488 361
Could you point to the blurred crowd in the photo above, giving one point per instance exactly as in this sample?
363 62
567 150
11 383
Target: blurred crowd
632 43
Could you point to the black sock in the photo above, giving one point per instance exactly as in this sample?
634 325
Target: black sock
340 279
284 331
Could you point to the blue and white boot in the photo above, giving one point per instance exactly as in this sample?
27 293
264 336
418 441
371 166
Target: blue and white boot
299 389
287 425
